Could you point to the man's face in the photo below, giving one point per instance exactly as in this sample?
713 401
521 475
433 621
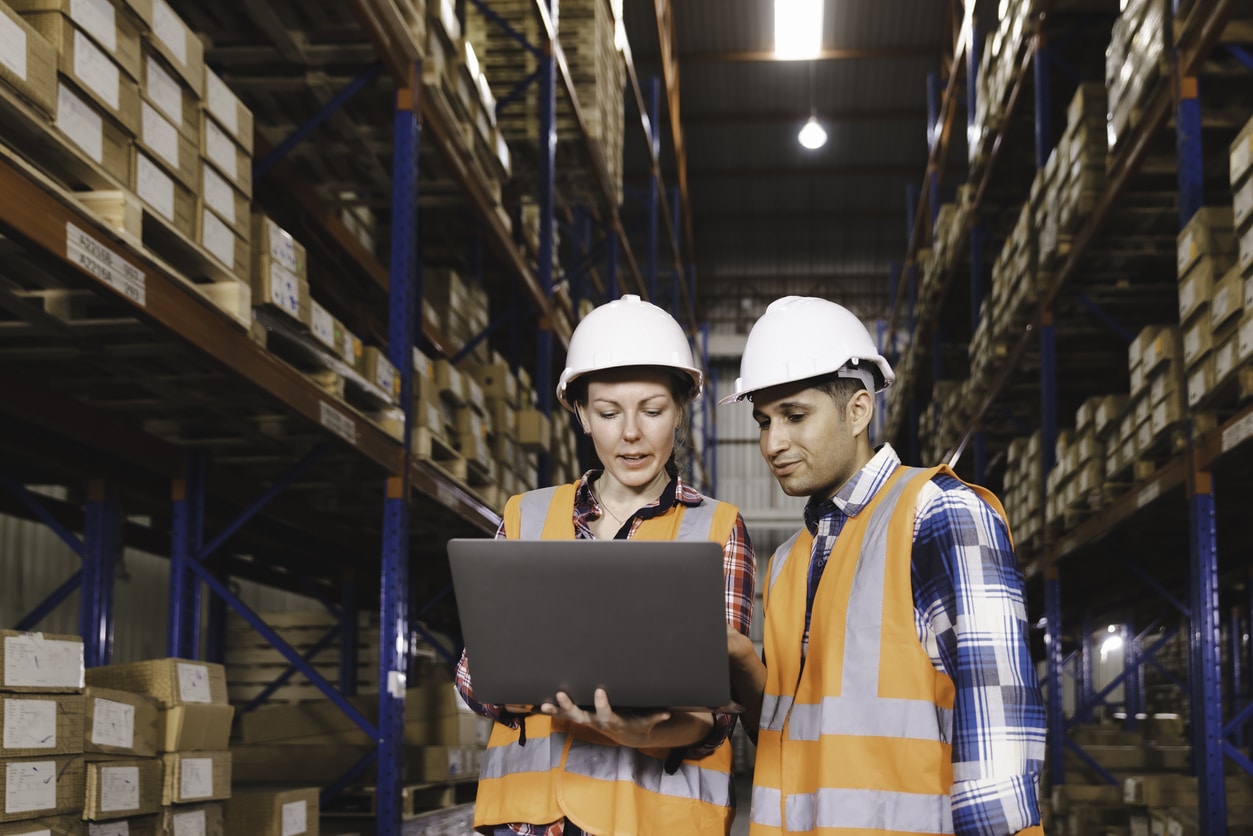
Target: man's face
807 441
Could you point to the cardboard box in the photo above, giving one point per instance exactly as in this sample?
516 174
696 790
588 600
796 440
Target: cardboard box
91 69
1198 340
281 289
172 682
1240 154
338 340
449 381
534 430
118 789
180 46
188 728
1201 380
40 725
173 150
226 155
132 826
498 381
51 826
165 88
163 194
377 369
28 63
221 103
1209 232
46 663
192 777
282 248
94 132
193 820
290 812
223 243
228 202
119 723
29 790
1195 290
323 764
104 21
1227 302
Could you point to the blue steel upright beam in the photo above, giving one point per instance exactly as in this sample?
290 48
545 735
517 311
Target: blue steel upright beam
103 543
1053 648
1234 633
348 636
188 534
1084 677
405 293
547 202
1207 698
654 195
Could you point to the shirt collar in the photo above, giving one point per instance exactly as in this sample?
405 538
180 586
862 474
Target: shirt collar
857 492
675 492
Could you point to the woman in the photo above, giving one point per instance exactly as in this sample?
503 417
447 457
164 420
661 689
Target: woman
562 770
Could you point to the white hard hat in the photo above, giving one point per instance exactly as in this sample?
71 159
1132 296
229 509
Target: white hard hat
627 332
799 337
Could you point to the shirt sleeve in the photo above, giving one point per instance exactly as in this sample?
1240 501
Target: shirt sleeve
739 567
969 597
465 686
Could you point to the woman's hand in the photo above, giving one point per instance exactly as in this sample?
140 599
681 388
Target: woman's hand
633 730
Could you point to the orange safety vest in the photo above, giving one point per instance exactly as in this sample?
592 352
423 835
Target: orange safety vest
567 771
856 738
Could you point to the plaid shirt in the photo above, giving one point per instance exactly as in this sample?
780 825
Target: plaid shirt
739 569
971 618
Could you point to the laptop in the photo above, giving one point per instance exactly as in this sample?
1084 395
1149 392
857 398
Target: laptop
645 620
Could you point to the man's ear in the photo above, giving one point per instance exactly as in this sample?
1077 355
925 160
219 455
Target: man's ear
859 411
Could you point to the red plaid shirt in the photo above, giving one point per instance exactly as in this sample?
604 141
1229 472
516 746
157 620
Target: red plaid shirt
739 570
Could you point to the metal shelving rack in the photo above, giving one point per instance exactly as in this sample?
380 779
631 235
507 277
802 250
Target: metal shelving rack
1176 509
198 368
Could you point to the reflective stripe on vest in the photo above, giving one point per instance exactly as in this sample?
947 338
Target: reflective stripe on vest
540 754
606 763
850 707
534 506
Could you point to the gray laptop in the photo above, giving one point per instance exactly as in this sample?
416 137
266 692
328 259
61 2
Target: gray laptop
645 620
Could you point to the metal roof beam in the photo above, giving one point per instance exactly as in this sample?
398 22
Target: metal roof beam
775 116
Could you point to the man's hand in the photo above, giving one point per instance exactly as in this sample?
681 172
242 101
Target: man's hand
633 730
740 649
523 710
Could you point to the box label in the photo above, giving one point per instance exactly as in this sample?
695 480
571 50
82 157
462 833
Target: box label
285 289
169 29
195 780
295 818
31 661
109 828
220 148
104 264
1224 360
1238 432
113 724
218 194
96 17
164 91
95 69
218 239
193 683
154 186
338 423
12 47
80 123
351 348
323 324
159 135
190 824
1242 203
1240 157
30 786
30 724
282 246
119 788
1185 252
221 102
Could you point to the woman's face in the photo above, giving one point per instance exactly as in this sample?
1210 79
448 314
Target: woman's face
632 416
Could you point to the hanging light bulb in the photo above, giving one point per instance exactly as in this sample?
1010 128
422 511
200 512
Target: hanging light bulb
812 136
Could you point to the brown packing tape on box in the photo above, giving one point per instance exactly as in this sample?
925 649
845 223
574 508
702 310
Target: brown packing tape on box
194 777
28 790
187 728
285 812
36 80
90 67
200 819
40 662
122 788
105 21
39 725
170 681
119 723
51 826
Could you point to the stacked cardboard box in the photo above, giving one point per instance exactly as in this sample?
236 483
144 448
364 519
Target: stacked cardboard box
29 64
1074 175
1211 299
123 774
1158 401
1024 491
1139 42
1241 153
41 686
1014 282
1075 485
193 726
999 66
280 272
260 812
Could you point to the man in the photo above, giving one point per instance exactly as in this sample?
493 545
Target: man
897 692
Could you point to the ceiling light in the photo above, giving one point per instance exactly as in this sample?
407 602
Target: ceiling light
813 136
797 29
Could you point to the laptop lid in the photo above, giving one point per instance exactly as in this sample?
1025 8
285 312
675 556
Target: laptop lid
643 619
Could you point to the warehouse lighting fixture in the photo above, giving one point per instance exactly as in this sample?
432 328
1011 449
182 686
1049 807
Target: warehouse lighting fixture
812 136
1113 641
797 29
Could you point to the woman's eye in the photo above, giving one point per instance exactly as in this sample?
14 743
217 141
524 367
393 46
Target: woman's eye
652 413
608 415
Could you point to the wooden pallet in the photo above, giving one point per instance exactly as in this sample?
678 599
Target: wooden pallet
439 454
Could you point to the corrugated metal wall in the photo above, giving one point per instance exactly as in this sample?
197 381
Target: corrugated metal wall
34 562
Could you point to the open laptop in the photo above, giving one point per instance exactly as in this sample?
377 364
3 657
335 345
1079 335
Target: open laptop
645 620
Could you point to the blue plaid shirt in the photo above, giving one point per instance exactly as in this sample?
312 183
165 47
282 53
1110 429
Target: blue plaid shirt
972 620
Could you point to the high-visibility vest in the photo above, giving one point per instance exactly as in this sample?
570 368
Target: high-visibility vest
857 737
572 772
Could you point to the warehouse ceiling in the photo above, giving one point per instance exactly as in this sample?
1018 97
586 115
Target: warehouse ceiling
767 215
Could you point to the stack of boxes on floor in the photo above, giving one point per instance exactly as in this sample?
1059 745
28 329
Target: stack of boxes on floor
1138 46
41 686
124 772
193 734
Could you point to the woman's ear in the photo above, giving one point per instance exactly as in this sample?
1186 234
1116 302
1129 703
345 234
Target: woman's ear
587 427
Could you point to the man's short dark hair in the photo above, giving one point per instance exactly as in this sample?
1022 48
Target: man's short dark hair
840 389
